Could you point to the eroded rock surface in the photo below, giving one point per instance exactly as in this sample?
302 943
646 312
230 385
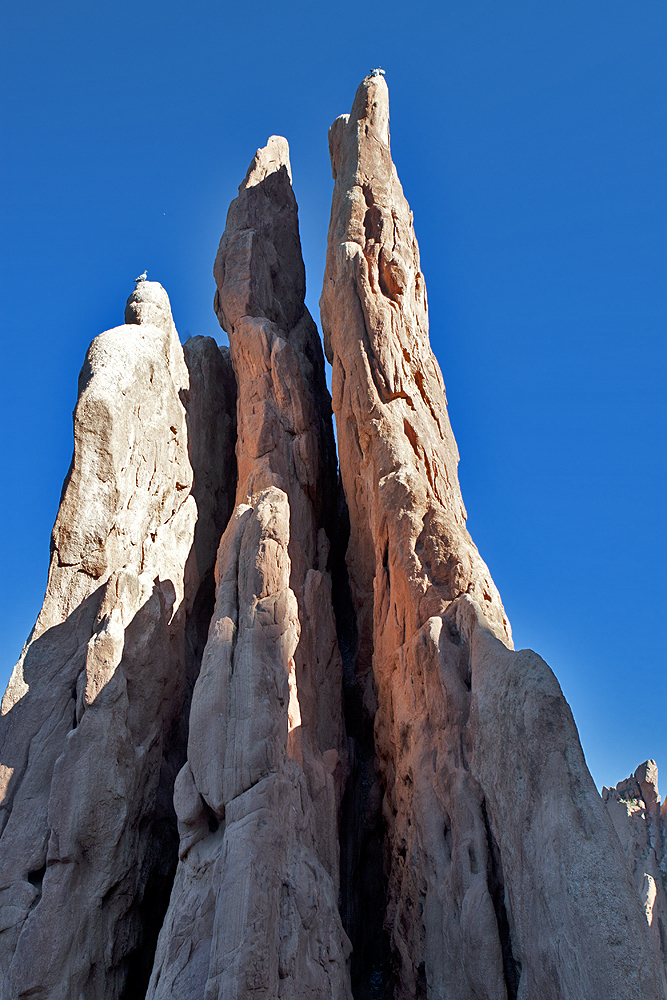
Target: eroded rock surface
640 820
92 733
174 758
505 878
254 910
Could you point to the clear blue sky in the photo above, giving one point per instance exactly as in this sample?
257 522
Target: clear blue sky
531 142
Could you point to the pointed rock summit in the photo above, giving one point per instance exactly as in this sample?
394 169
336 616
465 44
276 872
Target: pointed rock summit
500 879
269 737
94 720
254 908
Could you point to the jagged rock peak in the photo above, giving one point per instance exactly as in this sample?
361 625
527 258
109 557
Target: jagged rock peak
149 303
258 799
263 230
505 878
94 722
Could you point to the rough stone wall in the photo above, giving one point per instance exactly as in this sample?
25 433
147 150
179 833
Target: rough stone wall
500 878
254 908
641 824
91 733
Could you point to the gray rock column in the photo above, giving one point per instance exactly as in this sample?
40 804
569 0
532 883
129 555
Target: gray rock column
92 731
254 910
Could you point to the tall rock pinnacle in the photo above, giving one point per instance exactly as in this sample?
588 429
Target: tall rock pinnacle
501 881
92 729
269 737
254 908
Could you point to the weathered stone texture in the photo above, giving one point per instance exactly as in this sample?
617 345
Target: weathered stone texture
640 821
184 805
254 906
505 877
91 733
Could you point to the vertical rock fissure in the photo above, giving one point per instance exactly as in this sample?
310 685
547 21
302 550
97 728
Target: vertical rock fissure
210 407
363 885
496 885
164 837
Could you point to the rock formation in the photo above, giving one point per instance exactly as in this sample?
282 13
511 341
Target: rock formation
269 737
641 824
255 902
505 877
95 716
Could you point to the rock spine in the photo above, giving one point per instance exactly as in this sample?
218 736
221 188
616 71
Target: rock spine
94 720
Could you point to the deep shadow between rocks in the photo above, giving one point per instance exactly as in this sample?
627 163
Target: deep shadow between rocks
210 406
162 857
363 886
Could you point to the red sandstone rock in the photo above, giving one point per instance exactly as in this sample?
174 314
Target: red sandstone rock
505 877
477 861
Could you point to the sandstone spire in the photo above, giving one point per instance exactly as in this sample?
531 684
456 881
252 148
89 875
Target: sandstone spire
254 906
505 877
94 720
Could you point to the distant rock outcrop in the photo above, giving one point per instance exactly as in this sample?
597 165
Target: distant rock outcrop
641 824
269 737
505 877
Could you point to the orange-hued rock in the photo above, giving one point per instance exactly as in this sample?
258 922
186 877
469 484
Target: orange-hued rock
254 908
505 876
640 820
94 720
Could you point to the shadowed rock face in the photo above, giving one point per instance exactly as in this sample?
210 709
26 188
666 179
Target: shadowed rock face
641 824
254 908
92 730
498 848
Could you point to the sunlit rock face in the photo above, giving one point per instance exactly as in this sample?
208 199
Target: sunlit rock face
254 909
504 874
640 820
94 721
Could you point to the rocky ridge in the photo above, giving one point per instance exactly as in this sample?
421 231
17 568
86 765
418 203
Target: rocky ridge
269 736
